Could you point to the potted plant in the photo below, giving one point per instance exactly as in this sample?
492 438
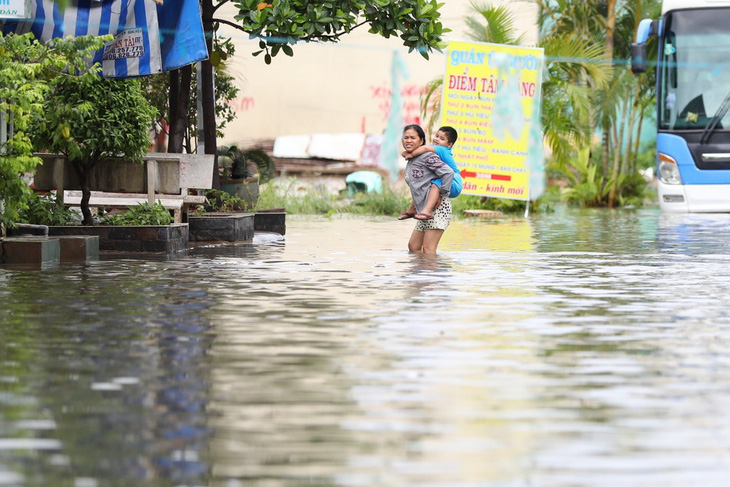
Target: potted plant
243 171
226 217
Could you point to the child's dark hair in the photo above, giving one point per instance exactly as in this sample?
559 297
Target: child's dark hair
450 133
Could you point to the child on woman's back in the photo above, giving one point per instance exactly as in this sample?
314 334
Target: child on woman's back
443 141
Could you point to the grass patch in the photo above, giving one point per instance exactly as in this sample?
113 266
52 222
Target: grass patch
300 197
388 203
296 197
313 199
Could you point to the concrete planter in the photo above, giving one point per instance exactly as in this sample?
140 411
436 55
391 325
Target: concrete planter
271 220
169 239
246 189
217 227
32 251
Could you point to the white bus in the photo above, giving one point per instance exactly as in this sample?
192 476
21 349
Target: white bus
693 103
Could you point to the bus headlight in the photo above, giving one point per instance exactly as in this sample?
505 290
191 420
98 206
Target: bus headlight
668 170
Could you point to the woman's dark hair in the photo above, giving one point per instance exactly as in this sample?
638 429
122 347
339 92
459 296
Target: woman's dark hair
418 130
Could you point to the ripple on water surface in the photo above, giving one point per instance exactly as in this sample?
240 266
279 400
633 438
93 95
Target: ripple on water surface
580 348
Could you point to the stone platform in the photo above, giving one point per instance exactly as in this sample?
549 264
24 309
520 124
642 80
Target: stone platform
221 227
41 251
82 244
169 239
273 220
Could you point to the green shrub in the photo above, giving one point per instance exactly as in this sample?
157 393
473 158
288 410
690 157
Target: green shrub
293 195
47 210
388 202
219 200
142 214
634 190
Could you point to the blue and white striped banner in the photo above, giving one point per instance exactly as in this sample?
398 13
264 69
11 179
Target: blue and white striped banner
139 47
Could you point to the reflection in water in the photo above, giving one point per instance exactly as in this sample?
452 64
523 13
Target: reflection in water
101 355
577 348
515 235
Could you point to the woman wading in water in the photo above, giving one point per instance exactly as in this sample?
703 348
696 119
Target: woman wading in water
420 171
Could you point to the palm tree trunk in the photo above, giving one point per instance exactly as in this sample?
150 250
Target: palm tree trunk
610 29
638 138
633 149
605 147
629 156
616 156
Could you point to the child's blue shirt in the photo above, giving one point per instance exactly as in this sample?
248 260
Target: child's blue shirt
445 155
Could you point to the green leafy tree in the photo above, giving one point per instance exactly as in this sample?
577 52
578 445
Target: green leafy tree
21 98
283 23
88 118
27 69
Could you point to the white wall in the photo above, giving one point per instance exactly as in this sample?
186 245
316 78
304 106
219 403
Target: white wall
337 88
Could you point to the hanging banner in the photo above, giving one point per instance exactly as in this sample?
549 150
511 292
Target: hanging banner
491 96
14 9
149 37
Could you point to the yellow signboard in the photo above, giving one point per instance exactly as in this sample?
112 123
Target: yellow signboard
491 96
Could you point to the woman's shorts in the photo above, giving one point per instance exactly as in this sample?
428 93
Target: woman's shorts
441 218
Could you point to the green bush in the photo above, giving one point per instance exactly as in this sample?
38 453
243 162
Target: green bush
388 202
47 210
219 200
313 200
142 214
634 190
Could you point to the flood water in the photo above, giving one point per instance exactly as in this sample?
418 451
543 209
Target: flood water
577 348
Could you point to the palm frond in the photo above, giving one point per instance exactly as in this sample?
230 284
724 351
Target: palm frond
493 24
430 103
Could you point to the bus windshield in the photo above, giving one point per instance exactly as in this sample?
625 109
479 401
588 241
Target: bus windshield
695 70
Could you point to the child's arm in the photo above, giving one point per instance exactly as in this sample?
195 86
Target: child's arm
418 151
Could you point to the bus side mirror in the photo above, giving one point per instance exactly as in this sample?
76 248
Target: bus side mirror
638 58
646 28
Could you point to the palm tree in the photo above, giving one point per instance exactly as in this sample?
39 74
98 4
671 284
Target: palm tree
495 25
620 99
492 24
587 86
575 69
574 73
